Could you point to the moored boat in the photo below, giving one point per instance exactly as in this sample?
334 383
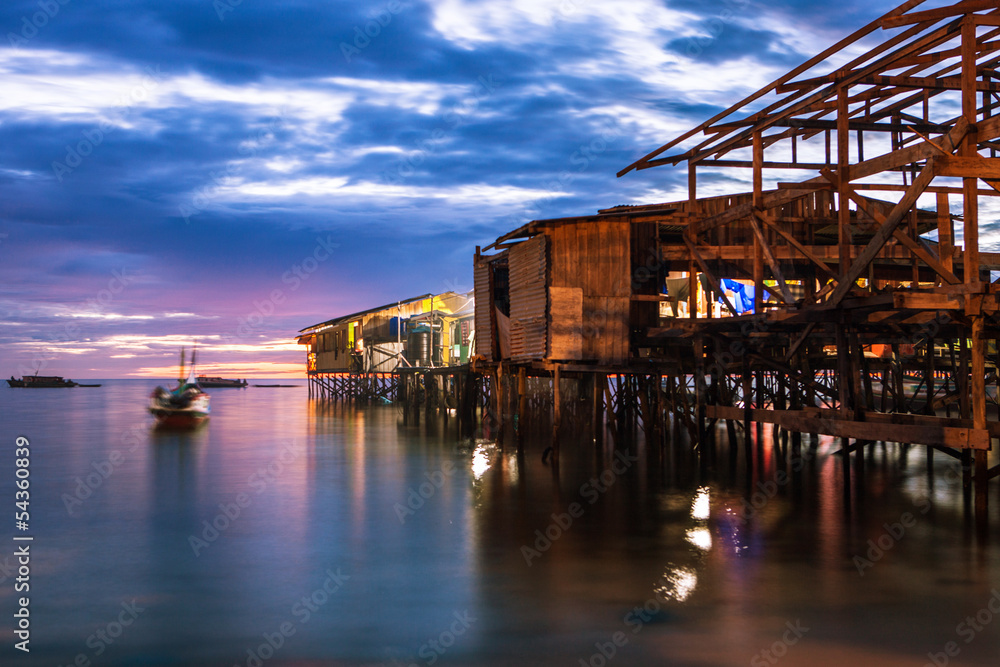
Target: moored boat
40 381
185 406
206 381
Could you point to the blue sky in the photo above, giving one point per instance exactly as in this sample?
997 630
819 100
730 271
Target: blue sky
229 171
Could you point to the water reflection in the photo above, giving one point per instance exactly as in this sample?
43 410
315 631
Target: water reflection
677 583
427 526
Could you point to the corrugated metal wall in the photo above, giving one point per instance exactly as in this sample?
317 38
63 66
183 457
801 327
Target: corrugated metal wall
383 358
528 300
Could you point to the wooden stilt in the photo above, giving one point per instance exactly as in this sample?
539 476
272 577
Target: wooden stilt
556 415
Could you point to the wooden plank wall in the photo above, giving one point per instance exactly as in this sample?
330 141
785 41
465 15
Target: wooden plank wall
528 302
484 309
565 318
331 359
595 257
646 275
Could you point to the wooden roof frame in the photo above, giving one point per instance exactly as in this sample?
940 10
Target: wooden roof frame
948 49
800 105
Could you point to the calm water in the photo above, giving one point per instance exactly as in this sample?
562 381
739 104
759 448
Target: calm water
325 558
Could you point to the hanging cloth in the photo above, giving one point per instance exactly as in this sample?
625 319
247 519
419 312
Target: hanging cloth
677 289
743 302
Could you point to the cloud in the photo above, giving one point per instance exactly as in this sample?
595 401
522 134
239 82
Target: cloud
208 156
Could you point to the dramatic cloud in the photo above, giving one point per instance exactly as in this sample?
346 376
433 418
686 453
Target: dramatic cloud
169 171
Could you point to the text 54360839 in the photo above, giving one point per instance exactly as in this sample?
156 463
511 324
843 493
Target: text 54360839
22 551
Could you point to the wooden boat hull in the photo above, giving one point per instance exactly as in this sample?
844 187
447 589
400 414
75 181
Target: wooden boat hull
47 383
179 420
213 382
170 416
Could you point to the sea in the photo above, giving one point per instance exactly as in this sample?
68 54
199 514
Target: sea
290 530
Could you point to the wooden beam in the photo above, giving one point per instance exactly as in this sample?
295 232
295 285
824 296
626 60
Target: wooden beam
847 79
809 64
892 187
809 166
708 272
899 235
988 129
798 341
810 255
946 231
744 253
930 83
843 171
786 294
968 152
969 167
929 259
811 421
859 265
925 300
856 125
937 14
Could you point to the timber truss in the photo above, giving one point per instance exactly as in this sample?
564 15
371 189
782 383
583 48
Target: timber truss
861 327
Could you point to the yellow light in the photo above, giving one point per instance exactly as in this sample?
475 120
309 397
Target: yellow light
678 583
700 537
700 507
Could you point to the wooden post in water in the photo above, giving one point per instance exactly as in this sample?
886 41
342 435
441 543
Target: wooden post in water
556 415
522 405
699 394
747 416
499 403
597 408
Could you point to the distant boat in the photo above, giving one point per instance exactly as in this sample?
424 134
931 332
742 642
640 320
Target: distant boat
205 381
42 381
184 406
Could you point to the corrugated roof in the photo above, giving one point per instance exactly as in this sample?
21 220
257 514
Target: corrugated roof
344 318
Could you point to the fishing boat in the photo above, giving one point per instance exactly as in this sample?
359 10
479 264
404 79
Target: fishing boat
205 381
185 406
41 381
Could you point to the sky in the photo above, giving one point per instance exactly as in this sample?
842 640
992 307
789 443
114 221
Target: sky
227 172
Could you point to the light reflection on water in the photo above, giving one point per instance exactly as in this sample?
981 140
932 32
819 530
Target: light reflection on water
227 534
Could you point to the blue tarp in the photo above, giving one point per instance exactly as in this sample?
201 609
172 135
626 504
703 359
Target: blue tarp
744 295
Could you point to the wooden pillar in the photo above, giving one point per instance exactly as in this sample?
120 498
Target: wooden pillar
692 185
774 382
556 416
978 353
499 404
758 202
468 404
699 390
843 177
970 186
597 417
929 405
658 410
693 290
522 406
646 408
844 380
761 403
846 468
747 415
795 396
946 233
